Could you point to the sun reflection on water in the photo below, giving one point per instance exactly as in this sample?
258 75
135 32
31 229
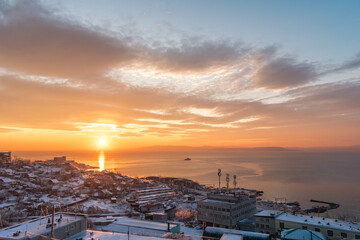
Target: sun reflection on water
101 161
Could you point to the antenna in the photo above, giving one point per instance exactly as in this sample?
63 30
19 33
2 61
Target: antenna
234 181
227 181
219 174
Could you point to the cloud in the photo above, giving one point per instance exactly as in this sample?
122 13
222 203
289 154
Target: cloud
194 55
35 41
351 64
282 73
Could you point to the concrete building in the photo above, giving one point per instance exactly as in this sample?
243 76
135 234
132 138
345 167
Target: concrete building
65 225
330 228
225 210
265 221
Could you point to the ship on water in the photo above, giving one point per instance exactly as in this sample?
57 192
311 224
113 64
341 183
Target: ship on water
187 159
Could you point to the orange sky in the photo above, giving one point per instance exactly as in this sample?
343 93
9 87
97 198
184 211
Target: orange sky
64 85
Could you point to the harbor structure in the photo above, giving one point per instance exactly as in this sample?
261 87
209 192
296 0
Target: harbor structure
59 225
225 210
330 228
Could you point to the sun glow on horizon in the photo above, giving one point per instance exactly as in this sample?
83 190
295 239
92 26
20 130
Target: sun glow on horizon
101 159
102 142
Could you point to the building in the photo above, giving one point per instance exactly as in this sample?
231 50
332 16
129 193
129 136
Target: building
265 221
212 233
91 235
65 225
330 228
140 227
5 157
294 234
225 210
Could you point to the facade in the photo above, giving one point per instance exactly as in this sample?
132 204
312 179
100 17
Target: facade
225 210
330 228
65 225
265 221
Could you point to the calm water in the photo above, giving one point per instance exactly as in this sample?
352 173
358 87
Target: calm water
298 176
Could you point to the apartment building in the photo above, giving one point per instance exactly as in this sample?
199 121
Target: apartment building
330 228
225 210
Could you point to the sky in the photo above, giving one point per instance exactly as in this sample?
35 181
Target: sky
118 75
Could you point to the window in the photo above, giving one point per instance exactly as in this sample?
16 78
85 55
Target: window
267 226
282 225
357 236
266 220
330 233
228 210
317 229
304 227
257 225
262 225
344 235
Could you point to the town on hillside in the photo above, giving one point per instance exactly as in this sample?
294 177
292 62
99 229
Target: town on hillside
63 199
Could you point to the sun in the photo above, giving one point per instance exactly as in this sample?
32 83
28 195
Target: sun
102 142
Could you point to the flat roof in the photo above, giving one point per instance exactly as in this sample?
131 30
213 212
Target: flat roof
216 201
231 236
38 226
319 221
90 234
268 213
135 223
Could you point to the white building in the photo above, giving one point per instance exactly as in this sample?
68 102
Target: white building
65 225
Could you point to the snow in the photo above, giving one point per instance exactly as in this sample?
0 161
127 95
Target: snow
90 234
231 236
319 221
216 201
302 234
124 221
7 180
216 230
268 213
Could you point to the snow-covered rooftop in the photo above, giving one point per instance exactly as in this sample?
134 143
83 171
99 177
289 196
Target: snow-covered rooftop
37 226
268 213
319 221
217 201
231 236
90 234
124 224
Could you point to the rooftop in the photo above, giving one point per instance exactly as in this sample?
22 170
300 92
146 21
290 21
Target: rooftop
90 234
137 226
37 226
268 213
319 221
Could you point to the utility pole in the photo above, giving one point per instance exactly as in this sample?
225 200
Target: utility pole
227 182
235 181
53 223
219 174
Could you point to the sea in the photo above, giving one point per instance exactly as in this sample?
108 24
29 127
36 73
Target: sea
291 175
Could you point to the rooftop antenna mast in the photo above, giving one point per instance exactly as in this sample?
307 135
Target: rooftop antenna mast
219 174
227 181
235 182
